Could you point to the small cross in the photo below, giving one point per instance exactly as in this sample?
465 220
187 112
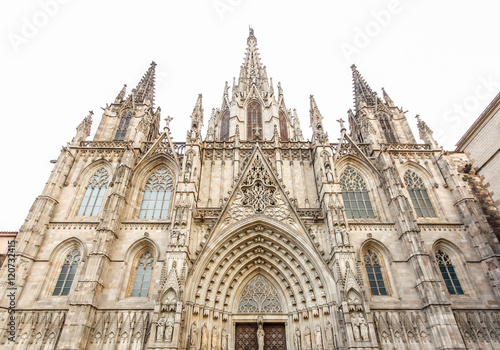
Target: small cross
168 120
341 121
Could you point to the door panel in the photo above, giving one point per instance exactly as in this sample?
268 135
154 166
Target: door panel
246 336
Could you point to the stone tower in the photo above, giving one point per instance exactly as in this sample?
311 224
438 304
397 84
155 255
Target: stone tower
251 237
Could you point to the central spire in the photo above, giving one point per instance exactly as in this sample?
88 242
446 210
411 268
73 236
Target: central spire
252 71
145 90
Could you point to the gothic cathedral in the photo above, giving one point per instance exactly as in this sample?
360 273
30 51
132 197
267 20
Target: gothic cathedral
252 238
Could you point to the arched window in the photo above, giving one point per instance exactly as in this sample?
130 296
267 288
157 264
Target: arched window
387 129
283 128
94 193
418 195
448 272
67 274
142 275
374 272
123 126
254 121
156 199
224 127
355 195
259 296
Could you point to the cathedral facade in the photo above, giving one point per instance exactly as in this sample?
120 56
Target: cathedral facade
251 237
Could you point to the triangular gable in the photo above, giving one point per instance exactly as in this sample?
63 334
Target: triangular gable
254 93
164 138
347 146
258 193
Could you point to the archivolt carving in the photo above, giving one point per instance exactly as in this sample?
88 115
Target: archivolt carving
259 296
249 251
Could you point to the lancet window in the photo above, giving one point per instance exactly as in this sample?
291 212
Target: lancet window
448 272
418 194
123 126
224 127
259 296
387 129
94 193
355 195
283 128
142 275
374 272
254 121
156 198
67 274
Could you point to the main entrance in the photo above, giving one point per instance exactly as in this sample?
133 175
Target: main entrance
274 336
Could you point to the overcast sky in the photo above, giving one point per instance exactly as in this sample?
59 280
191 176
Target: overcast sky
62 58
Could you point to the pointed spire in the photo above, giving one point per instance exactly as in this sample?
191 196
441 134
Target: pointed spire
425 133
196 120
83 130
363 94
319 134
252 71
145 90
121 95
314 110
387 99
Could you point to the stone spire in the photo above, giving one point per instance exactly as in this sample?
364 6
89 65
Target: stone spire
425 133
363 94
145 90
252 71
83 130
196 121
387 99
121 95
319 134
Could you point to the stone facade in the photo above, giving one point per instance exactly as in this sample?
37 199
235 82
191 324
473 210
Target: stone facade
252 237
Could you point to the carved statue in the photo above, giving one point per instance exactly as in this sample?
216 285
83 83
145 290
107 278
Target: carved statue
355 327
194 335
338 237
329 173
319 339
181 240
204 337
169 331
260 336
363 327
224 337
215 338
329 334
160 329
173 237
345 236
308 338
296 339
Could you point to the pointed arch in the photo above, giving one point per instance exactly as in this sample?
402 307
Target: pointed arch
450 262
419 196
259 296
121 131
387 128
156 197
376 259
355 195
224 126
94 193
283 126
254 120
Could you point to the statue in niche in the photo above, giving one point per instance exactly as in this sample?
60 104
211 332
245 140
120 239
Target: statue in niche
204 337
169 331
338 236
355 327
160 329
363 327
260 336
307 336
296 339
193 336
215 338
329 173
319 339
224 337
173 237
181 240
329 334
345 236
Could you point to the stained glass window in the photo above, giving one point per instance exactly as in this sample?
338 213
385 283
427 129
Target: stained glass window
283 128
448 272
224 127
67 274
374 272
259 296
156 199
94 193
418 194
143 275
355 195
123 126
387 129
254 121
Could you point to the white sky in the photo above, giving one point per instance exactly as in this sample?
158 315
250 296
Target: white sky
62 58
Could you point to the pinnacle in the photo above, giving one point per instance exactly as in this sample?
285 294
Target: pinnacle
363 94
144 92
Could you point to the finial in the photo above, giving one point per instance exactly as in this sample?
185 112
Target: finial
353 66
168 119
250 29
341 122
